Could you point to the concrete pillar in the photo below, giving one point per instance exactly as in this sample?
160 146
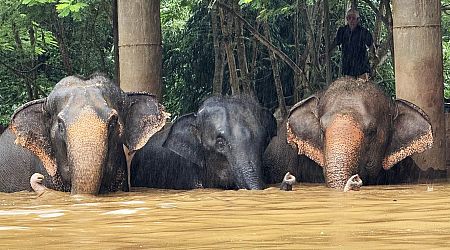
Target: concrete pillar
140 50
419 69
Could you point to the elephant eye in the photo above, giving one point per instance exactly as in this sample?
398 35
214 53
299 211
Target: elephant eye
371 131
61 126
220 144
113 122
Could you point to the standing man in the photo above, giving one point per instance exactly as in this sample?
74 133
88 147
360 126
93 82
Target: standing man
355 41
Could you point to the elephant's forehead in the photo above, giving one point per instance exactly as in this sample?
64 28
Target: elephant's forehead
361 112
359 102
227 114
83 90
227 120
83 95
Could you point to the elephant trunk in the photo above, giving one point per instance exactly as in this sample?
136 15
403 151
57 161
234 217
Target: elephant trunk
87 150
247 172
343 139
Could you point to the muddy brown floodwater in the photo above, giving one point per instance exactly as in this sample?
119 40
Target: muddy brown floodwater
310 217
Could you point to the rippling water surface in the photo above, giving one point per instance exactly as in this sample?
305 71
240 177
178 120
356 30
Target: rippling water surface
310 217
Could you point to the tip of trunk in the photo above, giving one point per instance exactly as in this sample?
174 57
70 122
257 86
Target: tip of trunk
336 185
253 185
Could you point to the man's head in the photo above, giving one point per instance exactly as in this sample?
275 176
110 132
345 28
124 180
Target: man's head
352 18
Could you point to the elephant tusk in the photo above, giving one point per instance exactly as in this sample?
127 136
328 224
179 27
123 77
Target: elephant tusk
354 183
129 154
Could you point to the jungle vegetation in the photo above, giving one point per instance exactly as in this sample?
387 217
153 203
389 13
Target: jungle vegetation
272 50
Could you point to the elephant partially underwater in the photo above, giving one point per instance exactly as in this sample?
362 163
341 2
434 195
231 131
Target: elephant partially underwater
75 137
350 128
219 146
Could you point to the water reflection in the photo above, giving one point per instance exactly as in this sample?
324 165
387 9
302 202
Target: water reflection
310 217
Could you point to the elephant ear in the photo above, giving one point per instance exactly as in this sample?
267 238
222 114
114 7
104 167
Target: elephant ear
144 117
183 139
268 122
412 133
29 123
303 129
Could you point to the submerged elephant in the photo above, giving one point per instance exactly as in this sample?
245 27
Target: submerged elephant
220 146
350 128
75 137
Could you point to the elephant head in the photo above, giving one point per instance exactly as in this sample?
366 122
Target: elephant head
79 130
354 128
226 139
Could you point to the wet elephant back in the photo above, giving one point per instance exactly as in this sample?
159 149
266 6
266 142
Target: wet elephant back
158 167
280 158
16 164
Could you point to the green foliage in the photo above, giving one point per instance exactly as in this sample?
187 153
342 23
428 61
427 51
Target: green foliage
29 70
187 55
63 7
242 2
446 57
66 7
30 50
37 2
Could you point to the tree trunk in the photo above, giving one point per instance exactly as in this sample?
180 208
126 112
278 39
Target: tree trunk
391 33
218 54
17 39
254 59
115 25
309 44
316 36
326 27
226 22
263 40
19 49
33 76
297 82
276 76
246 84
378 22
140 49
382 50
61 39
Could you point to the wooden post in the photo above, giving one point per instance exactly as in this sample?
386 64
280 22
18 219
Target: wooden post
140 50
418 68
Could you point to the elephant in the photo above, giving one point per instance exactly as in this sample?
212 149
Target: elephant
219 146
75 137
351 127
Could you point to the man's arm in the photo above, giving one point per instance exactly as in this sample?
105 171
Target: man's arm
337 40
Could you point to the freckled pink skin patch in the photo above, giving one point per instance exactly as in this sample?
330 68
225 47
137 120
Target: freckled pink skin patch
343 140
342 144
87 146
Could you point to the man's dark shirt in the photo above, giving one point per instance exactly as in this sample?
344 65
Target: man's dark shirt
355 61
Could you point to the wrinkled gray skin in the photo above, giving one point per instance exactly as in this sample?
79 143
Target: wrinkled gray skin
350 128
220 146
75 137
